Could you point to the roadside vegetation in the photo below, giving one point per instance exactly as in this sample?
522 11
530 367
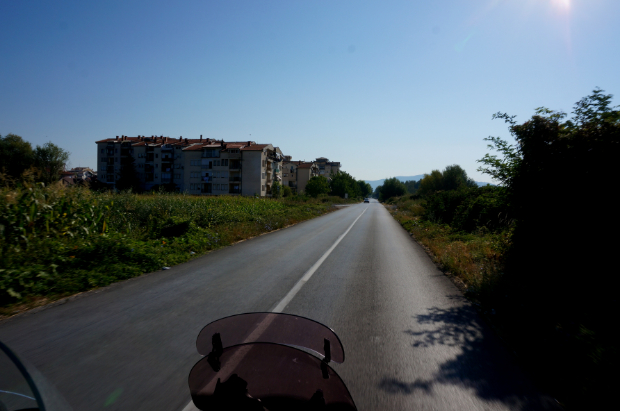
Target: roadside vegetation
341 184
535 253
56 241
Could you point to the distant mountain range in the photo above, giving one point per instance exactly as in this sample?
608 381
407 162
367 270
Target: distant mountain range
376 183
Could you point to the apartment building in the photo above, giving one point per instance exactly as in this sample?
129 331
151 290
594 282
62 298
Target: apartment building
327 167
296 174
197 166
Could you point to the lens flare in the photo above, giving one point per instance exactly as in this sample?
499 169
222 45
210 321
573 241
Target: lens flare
564 4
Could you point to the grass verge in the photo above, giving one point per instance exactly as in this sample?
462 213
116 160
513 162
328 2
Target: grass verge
473 260
56 242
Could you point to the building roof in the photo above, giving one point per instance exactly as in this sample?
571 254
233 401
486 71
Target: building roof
255 147
193 144
305 165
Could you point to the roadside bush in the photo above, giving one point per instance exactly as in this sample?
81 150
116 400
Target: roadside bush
469 209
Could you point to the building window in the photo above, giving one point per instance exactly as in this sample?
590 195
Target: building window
177 176
263 187
263 176
263 163
234 151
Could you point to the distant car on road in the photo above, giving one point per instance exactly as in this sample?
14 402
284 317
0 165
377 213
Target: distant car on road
366 200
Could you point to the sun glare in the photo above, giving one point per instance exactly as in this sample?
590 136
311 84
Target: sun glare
564 4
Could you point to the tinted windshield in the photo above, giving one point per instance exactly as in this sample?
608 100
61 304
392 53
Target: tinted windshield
271 327
281 377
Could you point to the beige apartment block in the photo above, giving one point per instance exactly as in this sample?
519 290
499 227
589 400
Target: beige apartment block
196 166
296 174
326 167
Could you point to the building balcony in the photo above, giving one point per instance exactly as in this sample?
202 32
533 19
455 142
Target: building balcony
234 191
206 178
234 178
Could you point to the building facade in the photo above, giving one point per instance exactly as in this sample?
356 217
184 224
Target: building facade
196 166
327 167
296 174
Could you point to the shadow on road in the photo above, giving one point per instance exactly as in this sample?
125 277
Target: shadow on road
480 362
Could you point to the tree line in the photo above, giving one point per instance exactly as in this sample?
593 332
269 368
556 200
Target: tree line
43 163
453 177
339 184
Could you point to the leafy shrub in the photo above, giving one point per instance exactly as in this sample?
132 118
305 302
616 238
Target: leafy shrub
469 209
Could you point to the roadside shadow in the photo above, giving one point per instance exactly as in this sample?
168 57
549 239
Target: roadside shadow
478 362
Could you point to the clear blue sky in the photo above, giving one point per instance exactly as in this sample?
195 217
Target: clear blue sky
385 87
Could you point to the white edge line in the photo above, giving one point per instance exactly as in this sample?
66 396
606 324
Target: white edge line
287 299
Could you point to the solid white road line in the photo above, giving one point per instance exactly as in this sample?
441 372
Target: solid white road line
287 299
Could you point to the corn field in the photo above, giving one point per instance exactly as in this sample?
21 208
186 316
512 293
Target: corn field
57 241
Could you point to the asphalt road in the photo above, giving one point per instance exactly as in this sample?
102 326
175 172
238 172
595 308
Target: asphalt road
411 340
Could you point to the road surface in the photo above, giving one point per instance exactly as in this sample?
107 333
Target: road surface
411 340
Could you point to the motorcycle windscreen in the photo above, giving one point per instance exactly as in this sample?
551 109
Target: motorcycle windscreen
23 387
277 328
16 391
281 377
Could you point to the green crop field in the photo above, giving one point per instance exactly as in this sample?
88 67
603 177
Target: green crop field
57 241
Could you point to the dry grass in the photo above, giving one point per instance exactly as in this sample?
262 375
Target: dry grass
472 260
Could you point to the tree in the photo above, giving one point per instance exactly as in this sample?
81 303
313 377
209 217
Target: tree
431 182
504 168
50 161
16 155
317 186
454 177
558 290
343 183
276 189
286 191
365 188
377 193
392 187
128 178
412 186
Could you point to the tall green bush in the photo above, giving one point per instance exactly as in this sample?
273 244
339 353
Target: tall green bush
559 290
